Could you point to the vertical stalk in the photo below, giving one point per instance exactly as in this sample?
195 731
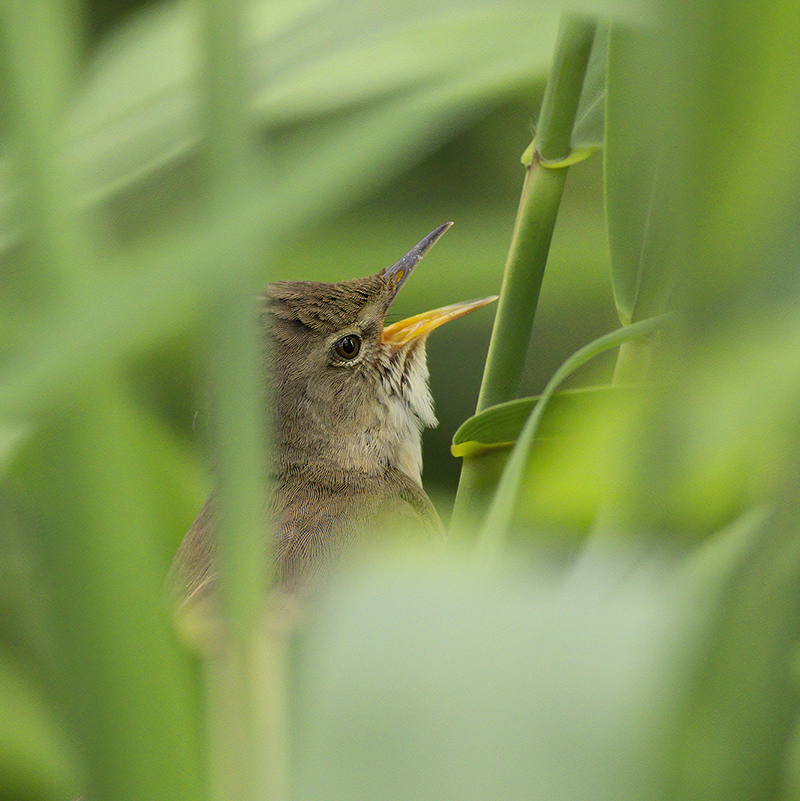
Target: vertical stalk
564 87
522 283
235 350
530 245
519 295
245 677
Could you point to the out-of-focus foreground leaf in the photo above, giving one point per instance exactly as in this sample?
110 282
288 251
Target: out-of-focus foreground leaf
139 112
740 711
430 682
91 503
633 670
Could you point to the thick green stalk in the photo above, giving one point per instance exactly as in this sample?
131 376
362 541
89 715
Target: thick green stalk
530 245
564 87
522 282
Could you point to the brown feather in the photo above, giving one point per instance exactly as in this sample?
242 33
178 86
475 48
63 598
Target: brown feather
347 433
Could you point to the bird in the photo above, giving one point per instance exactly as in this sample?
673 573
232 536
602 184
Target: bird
350 397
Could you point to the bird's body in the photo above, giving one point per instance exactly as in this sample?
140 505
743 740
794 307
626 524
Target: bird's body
322 515
350 398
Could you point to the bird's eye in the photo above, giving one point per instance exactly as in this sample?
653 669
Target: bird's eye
347 347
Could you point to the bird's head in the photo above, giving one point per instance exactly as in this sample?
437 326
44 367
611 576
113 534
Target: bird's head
351 391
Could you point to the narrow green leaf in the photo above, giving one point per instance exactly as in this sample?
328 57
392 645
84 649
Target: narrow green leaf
502 508
499 426
588 132
641 228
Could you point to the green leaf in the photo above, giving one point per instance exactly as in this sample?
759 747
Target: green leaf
36 758
588 132
641 229
520 684
502 508
310 62
739 714
92 507
498 427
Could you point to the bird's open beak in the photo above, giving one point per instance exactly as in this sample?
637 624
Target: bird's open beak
420 325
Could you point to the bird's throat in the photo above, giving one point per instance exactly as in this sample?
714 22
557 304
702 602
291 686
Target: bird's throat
380 432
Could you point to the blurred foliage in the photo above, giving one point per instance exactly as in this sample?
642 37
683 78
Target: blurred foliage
634 633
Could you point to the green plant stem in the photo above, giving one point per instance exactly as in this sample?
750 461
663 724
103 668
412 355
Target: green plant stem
522 282
238 430
249 726
530 245
236 353
536 216
564 87
225 79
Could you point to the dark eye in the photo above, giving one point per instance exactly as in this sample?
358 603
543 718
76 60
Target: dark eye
347 347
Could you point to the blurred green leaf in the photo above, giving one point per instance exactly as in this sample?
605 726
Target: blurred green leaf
724 438
741 710
309 61
418 678
91 505
36 758
641 229
741 215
